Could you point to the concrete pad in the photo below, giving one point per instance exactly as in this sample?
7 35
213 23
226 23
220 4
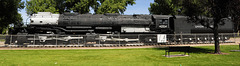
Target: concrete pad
179 55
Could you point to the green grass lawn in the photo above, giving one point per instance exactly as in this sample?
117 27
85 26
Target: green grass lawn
199 56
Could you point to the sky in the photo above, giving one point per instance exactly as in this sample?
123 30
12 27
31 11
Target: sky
141 7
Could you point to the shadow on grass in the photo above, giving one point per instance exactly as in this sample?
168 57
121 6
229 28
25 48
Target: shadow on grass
192 49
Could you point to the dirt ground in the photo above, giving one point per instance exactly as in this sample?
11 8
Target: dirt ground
1 43
111 47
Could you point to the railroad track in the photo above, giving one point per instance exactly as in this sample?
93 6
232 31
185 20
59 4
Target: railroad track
95 45
108 45
69 46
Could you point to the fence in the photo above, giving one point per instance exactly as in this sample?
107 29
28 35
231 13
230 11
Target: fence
112 39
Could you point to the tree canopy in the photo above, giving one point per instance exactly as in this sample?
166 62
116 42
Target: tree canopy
79 6
34 6
114 6
9 13
166 7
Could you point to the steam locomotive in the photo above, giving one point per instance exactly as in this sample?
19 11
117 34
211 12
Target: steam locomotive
103 27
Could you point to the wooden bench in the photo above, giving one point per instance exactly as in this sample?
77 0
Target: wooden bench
184 49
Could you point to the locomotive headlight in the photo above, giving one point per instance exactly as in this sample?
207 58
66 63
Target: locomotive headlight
162 26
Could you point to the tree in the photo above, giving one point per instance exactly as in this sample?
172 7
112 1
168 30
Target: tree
9 13
60 6
34 6
81 6
200 11
235 7
113 6
166 7
219 10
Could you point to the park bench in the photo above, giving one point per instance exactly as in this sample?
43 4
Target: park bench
184 49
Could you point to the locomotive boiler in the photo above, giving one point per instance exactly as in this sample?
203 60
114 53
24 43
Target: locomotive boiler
73 23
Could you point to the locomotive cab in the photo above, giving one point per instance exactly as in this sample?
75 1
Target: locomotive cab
162 23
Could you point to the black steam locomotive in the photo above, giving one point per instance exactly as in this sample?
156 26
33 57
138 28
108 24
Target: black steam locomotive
151 28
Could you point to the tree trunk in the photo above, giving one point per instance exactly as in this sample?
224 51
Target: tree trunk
216 39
